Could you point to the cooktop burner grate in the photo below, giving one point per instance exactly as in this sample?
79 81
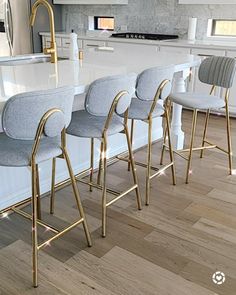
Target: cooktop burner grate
144 36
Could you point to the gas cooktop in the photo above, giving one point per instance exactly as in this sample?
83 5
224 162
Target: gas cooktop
144 36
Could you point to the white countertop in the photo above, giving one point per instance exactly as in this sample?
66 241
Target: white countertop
24 57
96 64
206 44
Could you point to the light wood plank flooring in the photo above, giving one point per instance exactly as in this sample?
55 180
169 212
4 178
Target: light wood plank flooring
172 247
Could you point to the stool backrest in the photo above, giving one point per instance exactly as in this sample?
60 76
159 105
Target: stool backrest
149 81
23 112
101 94
218 71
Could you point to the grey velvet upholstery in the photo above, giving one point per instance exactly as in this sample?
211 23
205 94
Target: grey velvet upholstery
139 109
17 153
215 70
86 125
198 101
102 92
149 80
90 122
146 87
22 112
20 119
218 71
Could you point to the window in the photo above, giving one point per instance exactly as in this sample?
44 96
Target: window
104 23
225 28
207 2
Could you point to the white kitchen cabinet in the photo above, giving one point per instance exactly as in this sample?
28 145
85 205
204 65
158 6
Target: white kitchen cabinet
204 53
232 99
132 46
63 45
182 50
48 41
93 44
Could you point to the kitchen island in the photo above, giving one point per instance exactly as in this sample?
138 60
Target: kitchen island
15 183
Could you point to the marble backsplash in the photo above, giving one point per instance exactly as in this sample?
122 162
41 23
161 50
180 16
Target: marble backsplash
152 16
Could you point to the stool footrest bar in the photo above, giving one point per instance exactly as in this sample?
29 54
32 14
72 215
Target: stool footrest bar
98 186
61 233
199 148
137 163
40 222
122 195
217 147
161 170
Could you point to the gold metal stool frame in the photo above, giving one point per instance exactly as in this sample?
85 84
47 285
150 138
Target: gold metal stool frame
35 199
148 165
103 168
206 145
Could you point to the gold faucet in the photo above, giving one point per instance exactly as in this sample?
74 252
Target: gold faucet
53 47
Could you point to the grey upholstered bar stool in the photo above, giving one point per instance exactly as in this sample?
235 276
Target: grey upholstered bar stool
106 99
152 90
216 71
34 131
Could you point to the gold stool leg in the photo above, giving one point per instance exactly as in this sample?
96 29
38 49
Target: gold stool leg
38 193
163 147
77 197
91 163
132 164
205 132
131 139
229 140
104 187
34 225
191 144
168 110
52 198
149 160
100 164
170 148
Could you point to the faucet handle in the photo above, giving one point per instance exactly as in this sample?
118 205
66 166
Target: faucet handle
49 50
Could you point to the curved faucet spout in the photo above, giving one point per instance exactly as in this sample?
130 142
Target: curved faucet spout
52 49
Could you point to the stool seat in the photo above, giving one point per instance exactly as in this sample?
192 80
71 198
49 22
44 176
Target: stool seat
83 124
140 109
197 101
17 153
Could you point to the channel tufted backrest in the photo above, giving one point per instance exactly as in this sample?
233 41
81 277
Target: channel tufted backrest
149 81
102 92
23 112
218 71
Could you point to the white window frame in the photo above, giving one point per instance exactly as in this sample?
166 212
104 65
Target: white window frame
217 38
207 1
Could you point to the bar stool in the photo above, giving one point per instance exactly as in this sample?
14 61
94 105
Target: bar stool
216 71
106 99
152 90
34 131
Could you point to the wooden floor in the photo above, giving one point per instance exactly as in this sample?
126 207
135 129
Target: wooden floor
172 247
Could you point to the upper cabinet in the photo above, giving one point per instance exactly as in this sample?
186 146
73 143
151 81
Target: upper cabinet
207 2
91 2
